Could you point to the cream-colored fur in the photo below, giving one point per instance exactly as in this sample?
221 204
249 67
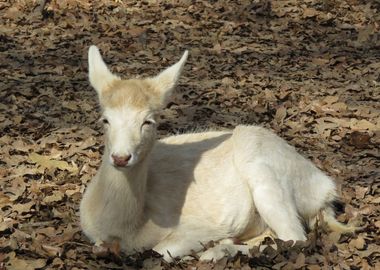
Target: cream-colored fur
176 194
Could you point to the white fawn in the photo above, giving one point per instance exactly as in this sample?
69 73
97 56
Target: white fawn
176 194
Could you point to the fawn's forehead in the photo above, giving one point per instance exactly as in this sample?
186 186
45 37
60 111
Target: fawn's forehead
135 94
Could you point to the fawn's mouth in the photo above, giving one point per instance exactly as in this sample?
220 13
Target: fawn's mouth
122 162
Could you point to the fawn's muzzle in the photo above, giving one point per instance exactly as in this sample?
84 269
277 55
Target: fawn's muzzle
121 161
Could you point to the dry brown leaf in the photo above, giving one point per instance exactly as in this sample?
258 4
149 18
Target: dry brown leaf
47 162
227 81
100 250
358 243
338 107
361 192
330 99
363 125
4 199
52 250
320 61
57 263
375 200
55 197
300 261
23 264
15 191
310 12
6 224
71 192
13 13
20 145
280 115
23 207
70 105
314 267
359 139
334 237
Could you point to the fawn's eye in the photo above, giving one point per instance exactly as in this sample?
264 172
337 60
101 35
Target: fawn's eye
105 121
148 123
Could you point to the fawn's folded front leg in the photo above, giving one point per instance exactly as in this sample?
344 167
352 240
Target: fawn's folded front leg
174 246
186 240
226 247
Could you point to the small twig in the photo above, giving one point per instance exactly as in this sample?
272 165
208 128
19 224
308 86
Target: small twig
74 243
36 224
42 5
40 9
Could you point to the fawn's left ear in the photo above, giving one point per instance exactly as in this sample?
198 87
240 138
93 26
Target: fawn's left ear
100 76
165 82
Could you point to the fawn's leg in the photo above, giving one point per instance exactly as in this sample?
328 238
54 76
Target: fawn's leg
274 203
187 239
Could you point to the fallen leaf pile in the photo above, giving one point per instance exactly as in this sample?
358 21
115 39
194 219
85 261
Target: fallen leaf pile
309 70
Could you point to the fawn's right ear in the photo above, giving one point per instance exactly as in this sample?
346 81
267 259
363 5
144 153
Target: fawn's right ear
100 76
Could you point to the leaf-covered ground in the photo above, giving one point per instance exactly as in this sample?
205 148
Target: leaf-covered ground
309 70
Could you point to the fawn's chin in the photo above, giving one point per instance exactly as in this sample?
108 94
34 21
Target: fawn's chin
122 167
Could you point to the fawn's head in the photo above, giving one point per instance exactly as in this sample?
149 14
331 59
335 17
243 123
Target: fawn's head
129 108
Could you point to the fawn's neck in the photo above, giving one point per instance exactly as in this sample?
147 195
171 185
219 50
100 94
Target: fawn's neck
125 189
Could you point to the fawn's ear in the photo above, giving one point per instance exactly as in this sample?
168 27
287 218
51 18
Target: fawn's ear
100 76
165 82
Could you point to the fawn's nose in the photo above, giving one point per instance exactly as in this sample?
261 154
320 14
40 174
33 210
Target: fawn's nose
121 161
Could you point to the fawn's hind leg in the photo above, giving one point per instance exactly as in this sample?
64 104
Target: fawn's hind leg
273 202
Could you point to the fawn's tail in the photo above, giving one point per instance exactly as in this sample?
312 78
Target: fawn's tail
328 216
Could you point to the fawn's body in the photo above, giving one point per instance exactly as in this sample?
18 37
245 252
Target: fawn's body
178 193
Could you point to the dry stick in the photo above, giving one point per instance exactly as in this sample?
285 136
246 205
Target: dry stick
42 5
74 243
36 224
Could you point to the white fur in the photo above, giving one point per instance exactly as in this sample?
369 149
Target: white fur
183 191
99 74
166 80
